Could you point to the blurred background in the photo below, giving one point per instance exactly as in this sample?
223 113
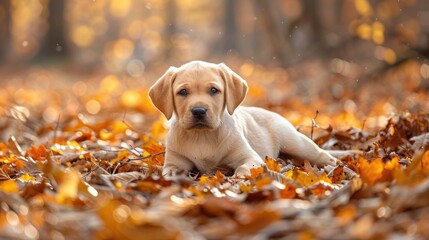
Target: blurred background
130 35
357 59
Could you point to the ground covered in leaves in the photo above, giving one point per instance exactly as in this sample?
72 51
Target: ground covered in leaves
82 159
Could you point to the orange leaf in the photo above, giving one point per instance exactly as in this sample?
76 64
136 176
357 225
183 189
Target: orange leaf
38 153
246 188
152 147
219 178
377 171
320 189
263 182
256 172
371 172
416 172
204 179
19 164
272 164
68 188
306 179
122 154
338 175
345 214
3 148
9 186
389 168
288 192
159 130
425 160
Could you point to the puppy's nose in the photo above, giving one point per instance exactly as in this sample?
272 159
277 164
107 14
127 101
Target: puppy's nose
199 111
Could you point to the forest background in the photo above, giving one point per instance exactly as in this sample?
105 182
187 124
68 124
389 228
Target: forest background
80 139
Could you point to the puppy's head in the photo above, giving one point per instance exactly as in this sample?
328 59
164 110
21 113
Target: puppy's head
198 93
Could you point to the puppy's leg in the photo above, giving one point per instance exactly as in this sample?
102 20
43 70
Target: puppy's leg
243 159
174 162
300 146
244 169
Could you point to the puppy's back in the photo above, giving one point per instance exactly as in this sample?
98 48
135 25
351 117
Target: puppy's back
261 128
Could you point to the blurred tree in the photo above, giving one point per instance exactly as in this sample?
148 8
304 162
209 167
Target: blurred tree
268 10
4 28
230 27
170 30
54 43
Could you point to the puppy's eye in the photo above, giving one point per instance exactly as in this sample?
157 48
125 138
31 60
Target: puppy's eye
183 92
214 91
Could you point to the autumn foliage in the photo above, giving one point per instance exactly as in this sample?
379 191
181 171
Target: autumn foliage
81 145
101 177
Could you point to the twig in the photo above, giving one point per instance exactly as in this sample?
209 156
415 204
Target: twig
363 125
142 158
116 168
126 124
92 160
313 124
57 125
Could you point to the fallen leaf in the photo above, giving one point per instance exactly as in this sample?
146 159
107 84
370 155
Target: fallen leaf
338 174
306 179
289 192
272 164
9 186
264 181
3 148
256 172
27 177
370 172
38 153
68 187
345 214
320 190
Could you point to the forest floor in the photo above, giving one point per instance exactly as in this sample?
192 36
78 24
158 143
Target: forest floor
81 157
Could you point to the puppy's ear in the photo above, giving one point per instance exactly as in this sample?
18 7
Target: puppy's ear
235 88
161 93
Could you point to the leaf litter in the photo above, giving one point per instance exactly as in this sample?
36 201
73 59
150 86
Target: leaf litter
98 177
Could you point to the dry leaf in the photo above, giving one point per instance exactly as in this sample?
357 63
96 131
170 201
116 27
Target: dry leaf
306 179
38 153
272 164
9 186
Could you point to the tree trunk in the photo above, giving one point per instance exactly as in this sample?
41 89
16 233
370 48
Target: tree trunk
230 28
54 43
170 29
280 47
4 29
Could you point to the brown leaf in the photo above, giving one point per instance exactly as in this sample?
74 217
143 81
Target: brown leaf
338 174
123 222
14 146
38 153
345 214
289 192
320 190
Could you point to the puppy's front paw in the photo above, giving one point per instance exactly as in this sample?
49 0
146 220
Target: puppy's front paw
332 161
170 170
327 159
242 171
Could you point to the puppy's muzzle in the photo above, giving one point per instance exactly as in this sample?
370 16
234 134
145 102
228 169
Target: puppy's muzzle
199 113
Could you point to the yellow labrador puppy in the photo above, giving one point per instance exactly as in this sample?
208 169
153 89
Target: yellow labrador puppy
208 129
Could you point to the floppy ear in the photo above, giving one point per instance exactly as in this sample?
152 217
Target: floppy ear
161 93
235 88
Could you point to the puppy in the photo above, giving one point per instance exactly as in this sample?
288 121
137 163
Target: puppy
209 130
